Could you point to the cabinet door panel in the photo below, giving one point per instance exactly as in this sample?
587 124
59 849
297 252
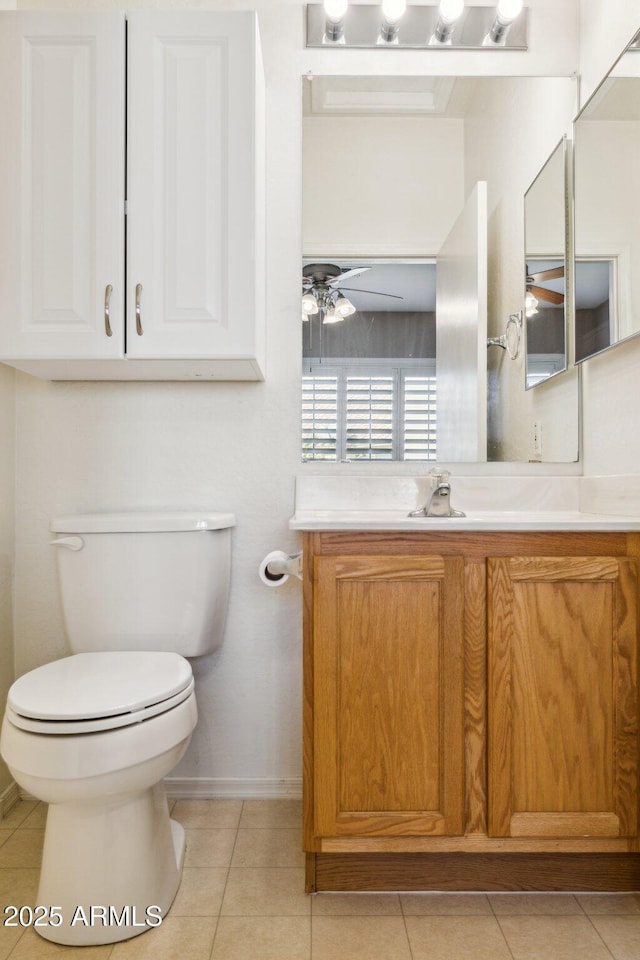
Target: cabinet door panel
62 196
388 667
562 697
192 159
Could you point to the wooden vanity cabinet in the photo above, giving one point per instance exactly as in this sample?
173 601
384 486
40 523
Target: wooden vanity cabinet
471 700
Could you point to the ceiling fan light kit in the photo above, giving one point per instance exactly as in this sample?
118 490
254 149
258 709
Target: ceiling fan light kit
449 25
322 292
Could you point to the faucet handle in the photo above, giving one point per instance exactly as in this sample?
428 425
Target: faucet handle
438 476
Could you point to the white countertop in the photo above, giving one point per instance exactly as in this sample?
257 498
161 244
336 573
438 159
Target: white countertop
478 520
526 503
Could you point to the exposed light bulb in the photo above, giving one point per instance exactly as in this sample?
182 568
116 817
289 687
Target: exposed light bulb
450 10
392 10
335 9
530 304
508 10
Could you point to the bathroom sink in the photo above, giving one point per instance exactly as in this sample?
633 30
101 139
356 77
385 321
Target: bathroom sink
527 503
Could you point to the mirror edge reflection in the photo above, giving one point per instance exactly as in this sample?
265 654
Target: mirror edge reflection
563 149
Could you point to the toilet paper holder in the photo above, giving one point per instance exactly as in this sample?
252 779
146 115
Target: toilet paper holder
278 566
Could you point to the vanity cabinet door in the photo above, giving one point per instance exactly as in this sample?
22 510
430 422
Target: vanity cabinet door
563 697
62 184
388 696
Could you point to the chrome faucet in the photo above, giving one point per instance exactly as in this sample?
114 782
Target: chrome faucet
439 500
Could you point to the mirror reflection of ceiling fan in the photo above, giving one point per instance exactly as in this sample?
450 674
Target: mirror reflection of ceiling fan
535 292
322 291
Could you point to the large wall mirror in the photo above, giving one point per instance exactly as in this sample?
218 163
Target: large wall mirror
607 211
546 303
412 192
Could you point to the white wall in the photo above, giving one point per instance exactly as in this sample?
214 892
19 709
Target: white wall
7 482
380 186
229 446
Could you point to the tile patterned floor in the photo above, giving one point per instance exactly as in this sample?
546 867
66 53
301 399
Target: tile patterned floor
242 898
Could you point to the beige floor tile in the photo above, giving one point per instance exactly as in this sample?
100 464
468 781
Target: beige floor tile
178 938
9 936
207 813
359 938
22 849
621 935
445 904
355 904
18 887
262 938
543 904
209 848
597 904
4 835
200 893
268 848
18 813
34 947
277 813
456 938
267 892
37 819
553 938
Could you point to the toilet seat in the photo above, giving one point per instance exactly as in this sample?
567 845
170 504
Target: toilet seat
92 692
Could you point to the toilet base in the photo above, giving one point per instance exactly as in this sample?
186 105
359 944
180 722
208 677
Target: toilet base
111 870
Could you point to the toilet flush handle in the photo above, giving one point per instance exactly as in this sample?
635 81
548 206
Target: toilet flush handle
71 543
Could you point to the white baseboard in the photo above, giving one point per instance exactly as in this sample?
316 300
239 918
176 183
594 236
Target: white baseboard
196 788
8 799
209 788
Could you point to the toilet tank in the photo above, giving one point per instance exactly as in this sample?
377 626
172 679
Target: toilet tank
144 581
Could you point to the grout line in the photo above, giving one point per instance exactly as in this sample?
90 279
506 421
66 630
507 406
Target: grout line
600 937
215 932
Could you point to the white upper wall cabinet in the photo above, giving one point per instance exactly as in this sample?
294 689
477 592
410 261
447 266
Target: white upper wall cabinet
131 195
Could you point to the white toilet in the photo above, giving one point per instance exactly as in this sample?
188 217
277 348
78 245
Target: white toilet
94 734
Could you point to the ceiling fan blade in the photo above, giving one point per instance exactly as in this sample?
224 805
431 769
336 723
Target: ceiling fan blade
541 293
374 293
552 274
347 274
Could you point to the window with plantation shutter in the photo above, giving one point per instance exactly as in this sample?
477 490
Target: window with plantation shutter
418 416
369 411
320 415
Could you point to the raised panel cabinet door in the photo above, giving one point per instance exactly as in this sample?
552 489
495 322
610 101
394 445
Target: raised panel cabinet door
563 697
62 171
388 696
195 225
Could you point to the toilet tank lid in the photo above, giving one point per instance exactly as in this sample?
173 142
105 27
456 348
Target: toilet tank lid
143 522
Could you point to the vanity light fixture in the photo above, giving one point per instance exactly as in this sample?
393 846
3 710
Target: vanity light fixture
392 13
507 12
402 25
449 12
334 11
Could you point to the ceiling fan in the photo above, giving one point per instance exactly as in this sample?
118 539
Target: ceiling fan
322 291
536 292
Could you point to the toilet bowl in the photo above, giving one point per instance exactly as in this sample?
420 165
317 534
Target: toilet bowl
93 735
